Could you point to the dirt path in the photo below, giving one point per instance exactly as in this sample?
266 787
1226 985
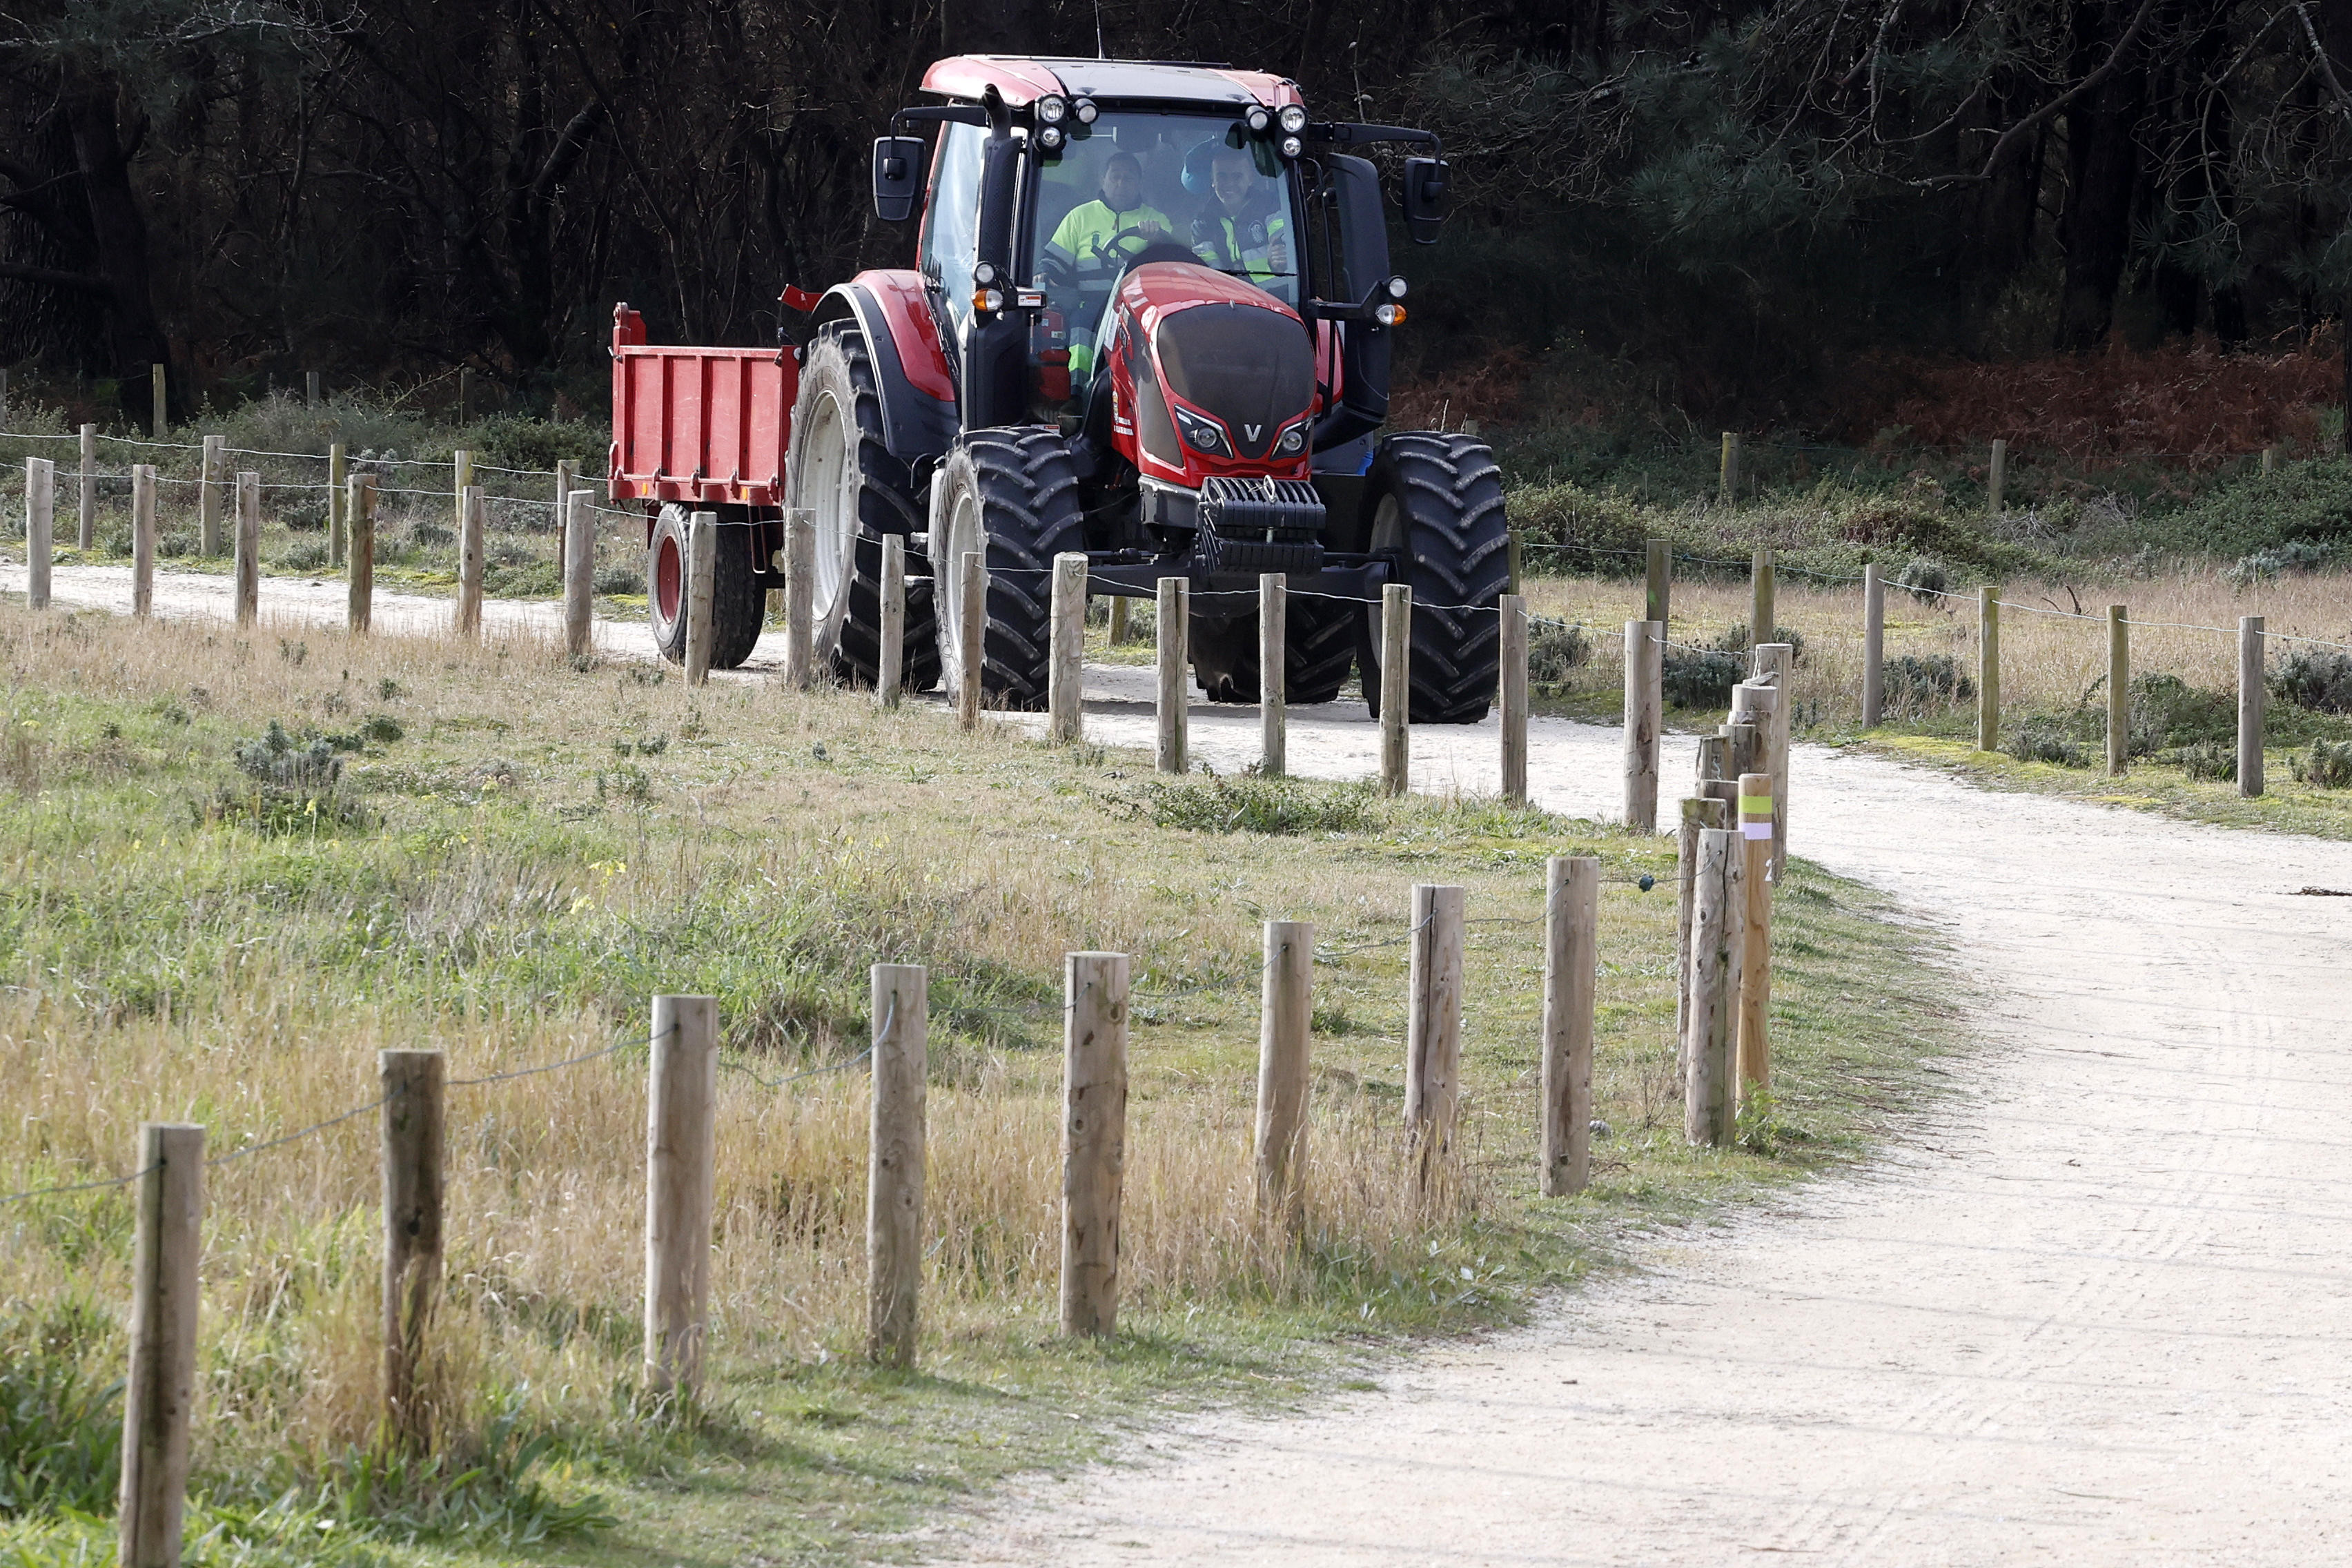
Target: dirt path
2091 1310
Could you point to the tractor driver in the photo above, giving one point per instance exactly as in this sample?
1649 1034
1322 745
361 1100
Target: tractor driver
1240 228
1096 241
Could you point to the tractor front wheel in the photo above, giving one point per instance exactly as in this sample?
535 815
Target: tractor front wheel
855 492
738 603
1011 494
1438 503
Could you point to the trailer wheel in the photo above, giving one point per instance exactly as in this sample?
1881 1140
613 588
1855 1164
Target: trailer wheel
1318 649
1015 490
738 603
841 472
1437 503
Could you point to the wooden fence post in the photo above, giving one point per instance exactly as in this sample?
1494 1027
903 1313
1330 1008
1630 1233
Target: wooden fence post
1513 698
248 563
208 496
157 387
412 1174
701 580
461 468
890 658
971 632
1988 669
2118 689
2270 461
1175 663
1396 688
1065 669
1094 1137
894 1170
472 519
1756 812
799 598
564 485
310 388
464 394
1997 479
40 528
338 509
1645 668
1763 615
1571 970
1273 672
1711 1028
681 1181
1432 1061
1285 1018
1728 492
86 536
1874 645
159 1391
1699 814
1777 662
579 574
359 510
2251 696
142 540
1658 581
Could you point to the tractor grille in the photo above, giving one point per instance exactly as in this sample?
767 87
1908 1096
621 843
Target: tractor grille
1260 525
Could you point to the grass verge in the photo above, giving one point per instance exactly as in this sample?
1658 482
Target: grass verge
485 848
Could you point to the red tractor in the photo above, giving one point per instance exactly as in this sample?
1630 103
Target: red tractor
1151 322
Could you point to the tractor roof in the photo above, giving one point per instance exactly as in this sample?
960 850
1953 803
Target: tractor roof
1024 78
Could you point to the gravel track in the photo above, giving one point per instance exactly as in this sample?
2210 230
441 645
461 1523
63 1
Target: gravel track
2091 1307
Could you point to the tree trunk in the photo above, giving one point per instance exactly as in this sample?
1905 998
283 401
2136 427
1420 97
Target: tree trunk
2102 173
135 340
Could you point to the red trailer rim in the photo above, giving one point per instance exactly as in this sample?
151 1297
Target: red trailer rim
669 579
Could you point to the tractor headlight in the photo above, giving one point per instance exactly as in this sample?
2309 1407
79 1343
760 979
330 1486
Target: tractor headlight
1396 286
1258 118
988 301
1202 435
1050 138
984 273
1292 441
1388 315
1291 146
1293 119
1085 111
1051 109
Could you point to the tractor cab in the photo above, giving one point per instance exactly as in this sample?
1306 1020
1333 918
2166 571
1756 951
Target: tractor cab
1149 320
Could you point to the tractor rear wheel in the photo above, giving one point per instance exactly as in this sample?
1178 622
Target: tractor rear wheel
1437 504
1318 647
1012 494
856 492
739 605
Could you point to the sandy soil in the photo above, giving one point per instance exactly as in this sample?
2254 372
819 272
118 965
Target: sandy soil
2091 1309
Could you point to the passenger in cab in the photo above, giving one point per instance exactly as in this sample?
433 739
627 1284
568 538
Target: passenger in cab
1240 228
1098 239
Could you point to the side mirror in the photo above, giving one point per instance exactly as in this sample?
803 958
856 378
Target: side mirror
897 176
1424 198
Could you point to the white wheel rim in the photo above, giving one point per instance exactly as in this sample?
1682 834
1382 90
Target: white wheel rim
827 483
962 528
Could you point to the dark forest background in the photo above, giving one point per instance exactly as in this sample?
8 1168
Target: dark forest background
1727 206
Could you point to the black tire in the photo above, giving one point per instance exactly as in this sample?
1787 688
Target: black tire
1318 649
1437 501
739 605
1018 487
842 471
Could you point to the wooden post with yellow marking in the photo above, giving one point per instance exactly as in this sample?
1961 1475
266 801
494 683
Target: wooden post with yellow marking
1755 947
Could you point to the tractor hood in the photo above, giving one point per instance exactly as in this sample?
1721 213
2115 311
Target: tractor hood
1205 347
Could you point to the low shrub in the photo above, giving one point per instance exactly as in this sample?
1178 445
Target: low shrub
1250 803
2318 679
309 556
1925 577
2327 765
2279 560
2211 760
60 1425
2168 713
277 758
2045 738
2302 501
1702 678
1554 649
1735 640
1913 683
625 579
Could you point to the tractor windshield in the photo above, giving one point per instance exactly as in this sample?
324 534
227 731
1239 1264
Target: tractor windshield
1135 187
